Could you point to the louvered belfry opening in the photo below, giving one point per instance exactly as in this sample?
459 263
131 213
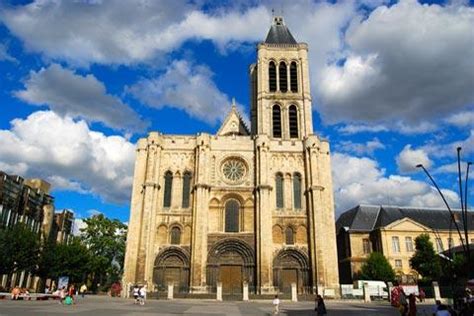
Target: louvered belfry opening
272 77
294 77
293 116
283 77
276 119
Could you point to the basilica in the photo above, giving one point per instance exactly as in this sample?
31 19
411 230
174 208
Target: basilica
245 206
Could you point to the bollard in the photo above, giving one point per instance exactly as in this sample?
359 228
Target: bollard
246 292
219 291
170 291
366 292
437 294
294 292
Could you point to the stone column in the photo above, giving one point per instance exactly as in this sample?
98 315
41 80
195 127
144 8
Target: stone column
170 291
154 188
294 292
322 243
136 213
263 218
245 292
200 216
219 291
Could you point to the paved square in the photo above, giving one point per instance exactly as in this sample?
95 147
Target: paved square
95 306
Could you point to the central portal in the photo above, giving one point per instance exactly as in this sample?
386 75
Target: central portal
231 278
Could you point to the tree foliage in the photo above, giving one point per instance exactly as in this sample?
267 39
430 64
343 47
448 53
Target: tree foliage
377 267
71 260
19 249
425 260
105 239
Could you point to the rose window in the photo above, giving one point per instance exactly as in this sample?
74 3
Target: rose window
233 170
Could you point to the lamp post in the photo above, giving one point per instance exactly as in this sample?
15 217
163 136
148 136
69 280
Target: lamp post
464 208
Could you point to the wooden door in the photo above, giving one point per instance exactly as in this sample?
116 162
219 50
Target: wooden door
172 275
287 277
231 278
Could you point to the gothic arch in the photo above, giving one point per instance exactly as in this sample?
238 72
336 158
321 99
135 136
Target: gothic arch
291 266
171 266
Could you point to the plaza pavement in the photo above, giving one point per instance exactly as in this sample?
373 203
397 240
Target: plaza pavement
101 305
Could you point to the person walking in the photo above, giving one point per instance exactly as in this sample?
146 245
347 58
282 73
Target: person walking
320 306
276 305
83 290
412 305
403 308
136 294
142 294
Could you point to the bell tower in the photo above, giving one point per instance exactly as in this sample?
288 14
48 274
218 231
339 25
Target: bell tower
280 87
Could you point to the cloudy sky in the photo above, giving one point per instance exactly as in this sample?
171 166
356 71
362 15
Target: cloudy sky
81 81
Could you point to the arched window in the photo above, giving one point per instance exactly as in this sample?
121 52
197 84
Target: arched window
279 190
293 77
232 216
168 187
186 189
283 77
289 236
293 116
175 236
272 76
276 115
297 191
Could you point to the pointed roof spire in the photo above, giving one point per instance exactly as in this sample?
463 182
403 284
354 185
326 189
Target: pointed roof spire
279 33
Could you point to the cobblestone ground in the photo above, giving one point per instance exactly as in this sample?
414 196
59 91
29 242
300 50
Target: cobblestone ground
95 306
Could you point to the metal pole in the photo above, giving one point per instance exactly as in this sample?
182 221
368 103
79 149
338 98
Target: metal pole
445 202
466 232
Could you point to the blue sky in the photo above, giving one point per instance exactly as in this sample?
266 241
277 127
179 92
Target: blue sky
392 86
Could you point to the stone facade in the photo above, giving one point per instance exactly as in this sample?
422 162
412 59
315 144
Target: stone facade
243 205
392 230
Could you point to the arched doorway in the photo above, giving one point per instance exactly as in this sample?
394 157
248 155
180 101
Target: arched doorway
231 262
291 266
172 266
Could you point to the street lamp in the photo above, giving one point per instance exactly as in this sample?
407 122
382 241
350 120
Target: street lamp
464 208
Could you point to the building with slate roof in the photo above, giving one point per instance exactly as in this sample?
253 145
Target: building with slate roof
244 206
392 230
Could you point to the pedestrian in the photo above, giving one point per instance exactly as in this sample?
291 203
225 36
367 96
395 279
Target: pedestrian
320 306
422 295
46 289
62 294
142 294
276 305
83 290
403 308
136 294
412 306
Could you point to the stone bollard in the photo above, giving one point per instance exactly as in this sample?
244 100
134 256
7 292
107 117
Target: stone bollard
219 291
170 291
436 292
294 292
366 292
246 292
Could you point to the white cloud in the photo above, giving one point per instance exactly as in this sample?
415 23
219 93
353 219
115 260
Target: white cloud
125 31
360 149
403 62
78 224
93 212
4 55
360 180
409 158
187 87
441 150
462 119
350 129
70 155
67 93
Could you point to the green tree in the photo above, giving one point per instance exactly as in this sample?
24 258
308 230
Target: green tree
72 260
105 238
377 267
19 249
425 260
